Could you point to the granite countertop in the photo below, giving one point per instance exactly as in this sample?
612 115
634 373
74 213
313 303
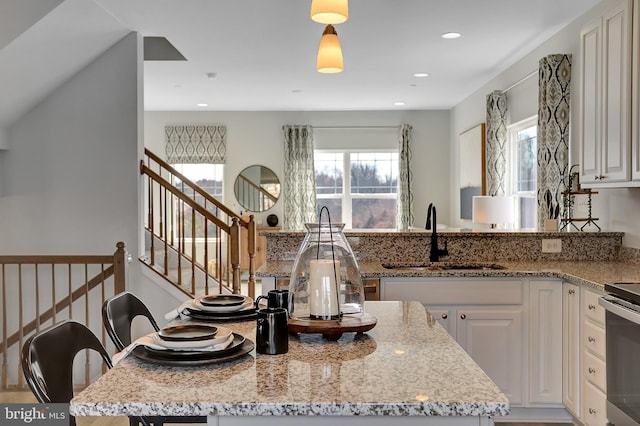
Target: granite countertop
590 273
406 366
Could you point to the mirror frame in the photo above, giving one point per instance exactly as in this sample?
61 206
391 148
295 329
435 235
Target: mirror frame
253 196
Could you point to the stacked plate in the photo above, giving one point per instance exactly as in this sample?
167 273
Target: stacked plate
193 345
217 307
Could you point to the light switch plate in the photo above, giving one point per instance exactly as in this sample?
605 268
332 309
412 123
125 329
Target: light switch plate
551 245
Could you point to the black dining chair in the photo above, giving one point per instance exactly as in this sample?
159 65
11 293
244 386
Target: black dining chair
47 362
118 313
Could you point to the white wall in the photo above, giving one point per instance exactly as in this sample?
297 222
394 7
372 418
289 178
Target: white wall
616 208
69 177
256 138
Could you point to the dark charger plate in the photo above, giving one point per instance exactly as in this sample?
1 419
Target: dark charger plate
239 347
222 300
244 314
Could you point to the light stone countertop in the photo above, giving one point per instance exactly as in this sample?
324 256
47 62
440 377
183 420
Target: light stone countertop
406 366
589 273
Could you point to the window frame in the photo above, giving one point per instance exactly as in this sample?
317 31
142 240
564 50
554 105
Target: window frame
347 196
512 167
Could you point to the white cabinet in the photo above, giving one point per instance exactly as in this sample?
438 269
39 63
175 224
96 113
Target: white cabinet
605 107
571 348
485 316
493 337
635 98
593 361
545 343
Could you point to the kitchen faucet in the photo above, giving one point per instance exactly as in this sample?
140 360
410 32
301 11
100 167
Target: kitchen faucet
435 252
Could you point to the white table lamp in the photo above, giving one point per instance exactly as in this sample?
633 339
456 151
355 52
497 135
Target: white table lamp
493 210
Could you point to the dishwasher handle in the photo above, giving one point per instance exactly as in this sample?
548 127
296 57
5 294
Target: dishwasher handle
621 308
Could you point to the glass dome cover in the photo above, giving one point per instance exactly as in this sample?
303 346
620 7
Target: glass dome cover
325 281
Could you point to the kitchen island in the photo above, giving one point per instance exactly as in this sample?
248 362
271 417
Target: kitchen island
407 368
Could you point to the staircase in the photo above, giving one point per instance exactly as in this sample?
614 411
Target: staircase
192 240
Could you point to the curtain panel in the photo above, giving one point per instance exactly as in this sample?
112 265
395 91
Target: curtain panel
496 143
299 185
554 78
404 213
195 144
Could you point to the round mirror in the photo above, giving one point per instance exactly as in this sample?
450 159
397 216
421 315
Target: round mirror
257 188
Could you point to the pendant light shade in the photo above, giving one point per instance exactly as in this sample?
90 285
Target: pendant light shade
329 52
330 11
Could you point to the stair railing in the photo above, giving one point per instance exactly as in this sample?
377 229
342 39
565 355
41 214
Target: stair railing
195 234
41 290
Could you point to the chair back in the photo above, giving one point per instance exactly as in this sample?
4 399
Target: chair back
47 360
118 313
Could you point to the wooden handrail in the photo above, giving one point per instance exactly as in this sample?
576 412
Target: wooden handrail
190 202
182 226
193 186
107 271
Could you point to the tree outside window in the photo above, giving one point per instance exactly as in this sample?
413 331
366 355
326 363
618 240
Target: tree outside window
365 198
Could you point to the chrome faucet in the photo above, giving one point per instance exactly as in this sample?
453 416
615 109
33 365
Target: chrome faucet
435 252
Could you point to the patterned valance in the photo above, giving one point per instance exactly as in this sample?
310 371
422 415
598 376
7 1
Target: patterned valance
196 144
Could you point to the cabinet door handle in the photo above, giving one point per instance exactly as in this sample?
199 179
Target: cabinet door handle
463 316
592 411
592 307
592 370
597 177
445 316
591 339
571 291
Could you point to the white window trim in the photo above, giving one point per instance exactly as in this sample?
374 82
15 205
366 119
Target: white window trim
512 164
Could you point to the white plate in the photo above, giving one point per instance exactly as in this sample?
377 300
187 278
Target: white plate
221 336
248 302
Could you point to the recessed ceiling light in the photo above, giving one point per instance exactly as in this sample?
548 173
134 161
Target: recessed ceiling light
451 35
203 105
399 103
421 74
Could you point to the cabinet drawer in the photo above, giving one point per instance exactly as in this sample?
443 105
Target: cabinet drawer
593 338
595 372
591 308
594 412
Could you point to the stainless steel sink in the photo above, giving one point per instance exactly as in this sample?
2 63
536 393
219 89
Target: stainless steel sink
441 266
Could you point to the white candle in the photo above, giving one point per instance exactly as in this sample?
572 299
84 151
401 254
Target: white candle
323 288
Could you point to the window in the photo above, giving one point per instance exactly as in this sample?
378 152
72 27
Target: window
522 171
210 178
364 198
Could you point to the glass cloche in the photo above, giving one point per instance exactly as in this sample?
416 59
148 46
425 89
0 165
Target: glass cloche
325 282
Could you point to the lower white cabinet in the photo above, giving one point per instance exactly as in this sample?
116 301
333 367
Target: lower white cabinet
545 343
510 327
593 360
571 348
493 336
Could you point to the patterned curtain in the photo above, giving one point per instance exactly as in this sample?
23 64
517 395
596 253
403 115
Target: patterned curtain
299 186
195 144
554 76
496 142
404 214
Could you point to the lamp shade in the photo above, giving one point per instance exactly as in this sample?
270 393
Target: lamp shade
330 11
329 52
493 210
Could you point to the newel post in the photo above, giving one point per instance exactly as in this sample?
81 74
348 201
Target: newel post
119 268
235 254
252 236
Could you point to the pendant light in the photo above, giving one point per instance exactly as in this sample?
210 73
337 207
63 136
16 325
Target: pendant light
330 11
329 52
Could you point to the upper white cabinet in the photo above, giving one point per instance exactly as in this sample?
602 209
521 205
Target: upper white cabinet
605 109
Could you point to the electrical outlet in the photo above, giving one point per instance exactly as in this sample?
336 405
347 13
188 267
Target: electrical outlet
551 245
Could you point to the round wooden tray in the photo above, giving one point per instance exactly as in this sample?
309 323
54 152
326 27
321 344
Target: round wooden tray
332 330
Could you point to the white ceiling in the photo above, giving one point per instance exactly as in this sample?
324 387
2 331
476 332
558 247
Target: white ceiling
263 51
